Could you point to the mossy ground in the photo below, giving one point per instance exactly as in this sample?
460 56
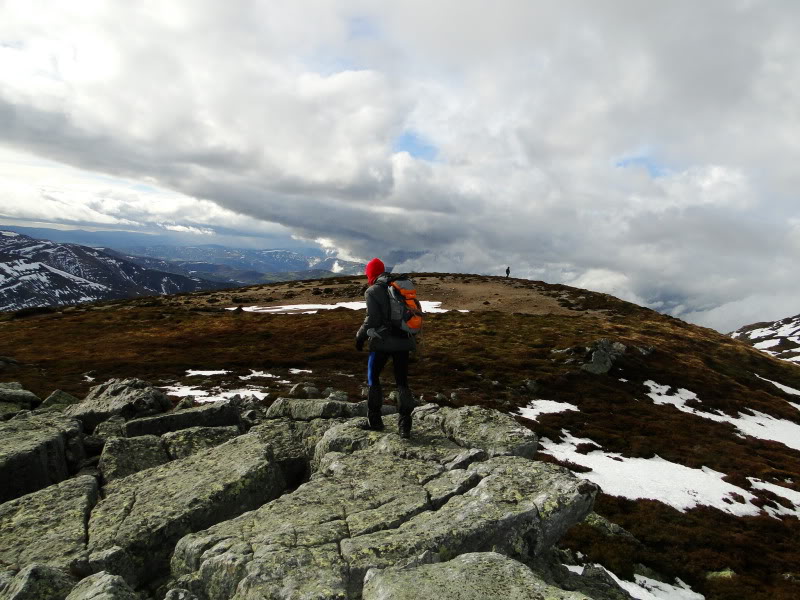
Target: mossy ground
484 357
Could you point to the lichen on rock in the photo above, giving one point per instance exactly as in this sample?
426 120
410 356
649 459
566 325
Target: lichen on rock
461 484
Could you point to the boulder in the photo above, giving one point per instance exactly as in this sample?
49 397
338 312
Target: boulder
489 430
604 353
14 393
301 409
144 514
10 409
210 414
110 428
36 582
102 586
462 484
128 398
605 527
124 456
598 583
37 451
49 526
472 576
59 398
183 443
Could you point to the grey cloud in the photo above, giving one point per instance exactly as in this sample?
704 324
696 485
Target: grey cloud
529 104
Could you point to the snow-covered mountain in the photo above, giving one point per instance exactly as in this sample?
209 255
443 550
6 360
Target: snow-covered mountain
780 339
243 259
44 273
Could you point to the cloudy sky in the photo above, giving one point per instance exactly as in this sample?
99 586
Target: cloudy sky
645 149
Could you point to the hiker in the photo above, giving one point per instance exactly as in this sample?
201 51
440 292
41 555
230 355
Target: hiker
508 271
385 342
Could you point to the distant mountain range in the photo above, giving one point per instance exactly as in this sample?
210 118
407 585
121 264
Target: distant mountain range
36 272
780 339
44 273
206 261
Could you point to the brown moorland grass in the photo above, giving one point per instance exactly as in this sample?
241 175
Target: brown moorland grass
484 357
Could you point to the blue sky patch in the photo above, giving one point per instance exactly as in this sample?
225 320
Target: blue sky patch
415 145
362 27
654 168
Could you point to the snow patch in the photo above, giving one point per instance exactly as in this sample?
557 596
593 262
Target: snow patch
541 407
653 478
9 234
428 306
756 424
254 373
645 588
298 371
650 589
791 495
766 344
213 395
193 373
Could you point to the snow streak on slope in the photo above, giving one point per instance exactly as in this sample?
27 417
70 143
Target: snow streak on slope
653 478
541 407
756 424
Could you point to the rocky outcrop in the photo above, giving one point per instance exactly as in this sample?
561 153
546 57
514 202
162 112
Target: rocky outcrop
211 414
124 456
463 484
60 398
14 393
183 443
301 506
301 409
37 451
35 582
110 428
49 526
13 399
146 513
472 576
102 586
128 398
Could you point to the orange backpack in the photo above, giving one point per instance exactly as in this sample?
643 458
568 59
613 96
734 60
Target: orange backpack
405 310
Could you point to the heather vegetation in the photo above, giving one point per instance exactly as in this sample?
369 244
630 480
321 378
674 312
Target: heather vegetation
501 359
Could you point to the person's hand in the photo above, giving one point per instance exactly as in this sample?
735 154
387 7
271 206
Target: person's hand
359 345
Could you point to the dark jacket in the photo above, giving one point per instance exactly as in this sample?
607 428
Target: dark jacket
377 319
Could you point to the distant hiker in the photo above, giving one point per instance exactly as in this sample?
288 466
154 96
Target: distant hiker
508 271
386 340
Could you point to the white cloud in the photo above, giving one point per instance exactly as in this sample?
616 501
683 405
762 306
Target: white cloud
648 151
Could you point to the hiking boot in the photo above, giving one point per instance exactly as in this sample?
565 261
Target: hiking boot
374 405
405 402
371 424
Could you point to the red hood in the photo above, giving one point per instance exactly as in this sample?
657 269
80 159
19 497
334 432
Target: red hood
375 268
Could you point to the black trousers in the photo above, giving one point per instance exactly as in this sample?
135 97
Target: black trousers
405 404
377 361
